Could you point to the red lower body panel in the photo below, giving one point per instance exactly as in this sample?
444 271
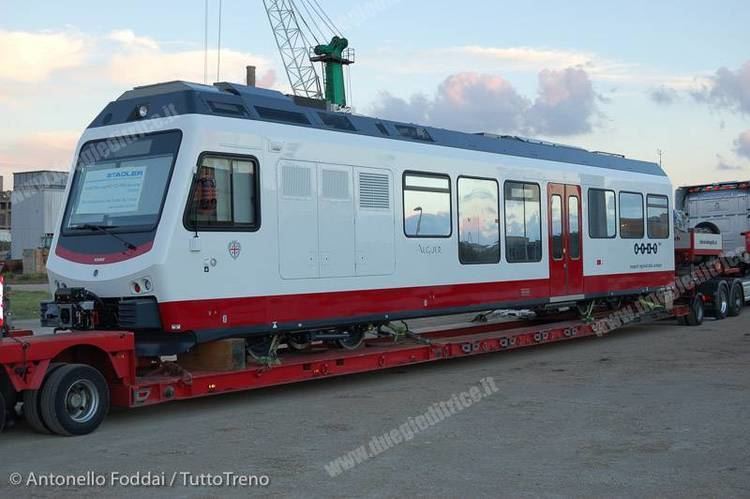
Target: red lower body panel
265 310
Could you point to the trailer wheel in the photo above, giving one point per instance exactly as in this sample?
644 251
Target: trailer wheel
75 400
736 299
31 403
697 312
720 308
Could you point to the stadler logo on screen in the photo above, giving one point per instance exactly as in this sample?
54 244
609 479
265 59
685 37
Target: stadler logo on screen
135 173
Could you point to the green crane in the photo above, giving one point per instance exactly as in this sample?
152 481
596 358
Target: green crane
292 31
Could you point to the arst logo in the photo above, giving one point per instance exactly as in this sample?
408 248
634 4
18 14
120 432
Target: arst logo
646 249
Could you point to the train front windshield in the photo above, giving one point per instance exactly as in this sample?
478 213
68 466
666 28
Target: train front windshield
120 183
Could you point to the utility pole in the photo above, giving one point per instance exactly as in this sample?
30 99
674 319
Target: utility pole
660 153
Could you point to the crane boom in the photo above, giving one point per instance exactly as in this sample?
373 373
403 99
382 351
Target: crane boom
294 48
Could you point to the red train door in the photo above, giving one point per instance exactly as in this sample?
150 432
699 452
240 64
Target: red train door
565 240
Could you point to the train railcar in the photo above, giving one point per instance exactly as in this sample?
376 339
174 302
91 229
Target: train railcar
196 213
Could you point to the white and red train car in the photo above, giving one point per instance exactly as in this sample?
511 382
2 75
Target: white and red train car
196 213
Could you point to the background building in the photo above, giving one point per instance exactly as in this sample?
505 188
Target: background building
37 201
4 218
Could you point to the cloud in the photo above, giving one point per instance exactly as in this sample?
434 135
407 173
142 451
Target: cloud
471 101
528 58
129 38
664 95
723 165
565 104
50 150
141 60
30 57
742 144
727 89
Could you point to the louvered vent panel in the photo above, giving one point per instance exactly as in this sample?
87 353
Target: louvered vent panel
335 184
373 191
296 181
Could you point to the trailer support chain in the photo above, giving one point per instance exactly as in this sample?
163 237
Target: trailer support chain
587 314
482 316
272 359
401 332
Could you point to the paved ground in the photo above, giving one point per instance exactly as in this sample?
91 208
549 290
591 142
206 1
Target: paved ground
651 411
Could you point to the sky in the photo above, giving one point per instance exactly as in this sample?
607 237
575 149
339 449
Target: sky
630 77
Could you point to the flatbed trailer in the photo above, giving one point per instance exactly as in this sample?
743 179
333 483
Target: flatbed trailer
60 377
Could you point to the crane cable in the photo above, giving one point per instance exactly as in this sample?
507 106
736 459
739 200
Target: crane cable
326 19
218 48
205 44
297 13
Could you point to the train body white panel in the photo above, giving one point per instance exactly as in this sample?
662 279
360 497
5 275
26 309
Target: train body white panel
332 217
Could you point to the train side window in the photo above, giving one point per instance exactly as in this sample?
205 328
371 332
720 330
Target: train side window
602 214
557 227
523 225
574 228
224 195
658 216
478 221
631 215
427 205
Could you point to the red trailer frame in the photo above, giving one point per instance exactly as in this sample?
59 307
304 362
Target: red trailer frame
27 359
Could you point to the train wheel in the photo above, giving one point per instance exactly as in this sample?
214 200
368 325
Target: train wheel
697 312
355 340
31 403
75 400
721 302
298 342
736 299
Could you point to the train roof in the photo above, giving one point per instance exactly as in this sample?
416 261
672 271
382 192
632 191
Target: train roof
244 102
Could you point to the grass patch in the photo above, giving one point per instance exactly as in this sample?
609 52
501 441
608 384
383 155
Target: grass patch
26 278
25 304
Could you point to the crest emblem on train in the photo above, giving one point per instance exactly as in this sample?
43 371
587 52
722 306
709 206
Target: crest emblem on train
235 248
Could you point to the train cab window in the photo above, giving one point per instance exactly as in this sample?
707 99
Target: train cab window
658 216
427 205
523 225
478 221
224 195
631 215
602 214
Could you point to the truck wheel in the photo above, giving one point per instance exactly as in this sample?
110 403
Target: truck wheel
697 312
721 302
736 299
31 401
75 400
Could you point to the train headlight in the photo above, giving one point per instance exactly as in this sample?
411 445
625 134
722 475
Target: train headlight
143 285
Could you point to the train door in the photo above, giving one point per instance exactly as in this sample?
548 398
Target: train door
565 241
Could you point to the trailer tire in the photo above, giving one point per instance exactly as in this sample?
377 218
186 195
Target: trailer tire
720 308
75 400
736 299
31 403
697 311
